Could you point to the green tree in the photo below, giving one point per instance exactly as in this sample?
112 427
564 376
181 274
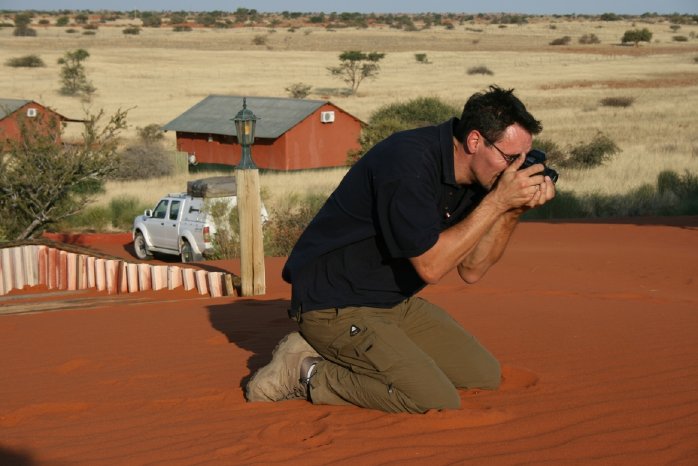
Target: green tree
298 90
355 66
73 78
637 35
43 181
415 113
22 23
151 19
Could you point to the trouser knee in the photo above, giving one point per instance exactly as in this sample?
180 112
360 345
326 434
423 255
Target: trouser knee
491 376
442 397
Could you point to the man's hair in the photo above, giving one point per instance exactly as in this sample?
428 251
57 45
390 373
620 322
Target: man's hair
492 112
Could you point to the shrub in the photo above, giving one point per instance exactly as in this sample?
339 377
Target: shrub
421 58
617 101
181 28
88 33
27 61
91 27
259 39
593 153
143 161
680 39
150 19
610 17
62 21
561 40
479 70
684 187
390 118
150 134
589 39
133 30
286 223
554 155
299 90
637 36
122 211
92 219
71 31
226 241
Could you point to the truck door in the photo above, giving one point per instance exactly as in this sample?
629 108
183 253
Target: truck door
163 230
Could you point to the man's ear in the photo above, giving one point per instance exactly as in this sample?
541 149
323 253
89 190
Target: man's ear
472 140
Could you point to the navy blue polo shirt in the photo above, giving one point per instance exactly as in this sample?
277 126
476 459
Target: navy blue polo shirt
391 205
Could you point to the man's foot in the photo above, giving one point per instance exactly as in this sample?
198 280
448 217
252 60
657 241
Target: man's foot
286 376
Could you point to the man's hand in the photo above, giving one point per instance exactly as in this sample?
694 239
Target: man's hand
523 189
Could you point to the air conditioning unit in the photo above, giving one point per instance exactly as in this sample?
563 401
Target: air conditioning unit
31 112
327 117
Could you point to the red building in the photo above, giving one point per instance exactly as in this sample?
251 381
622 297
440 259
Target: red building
13 111
291 134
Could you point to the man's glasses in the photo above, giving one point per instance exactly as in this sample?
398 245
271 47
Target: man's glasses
509 159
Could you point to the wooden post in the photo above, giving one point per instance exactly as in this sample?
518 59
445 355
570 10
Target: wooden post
251 241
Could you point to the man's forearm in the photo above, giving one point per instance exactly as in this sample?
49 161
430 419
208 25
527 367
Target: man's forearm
490 247
458 242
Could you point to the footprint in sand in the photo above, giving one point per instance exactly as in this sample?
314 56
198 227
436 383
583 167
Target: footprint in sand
73 365
311 433
517 378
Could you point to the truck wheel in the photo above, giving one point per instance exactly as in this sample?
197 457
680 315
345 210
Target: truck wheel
187 251
141 247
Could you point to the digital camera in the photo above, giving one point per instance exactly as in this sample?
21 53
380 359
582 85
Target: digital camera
538 156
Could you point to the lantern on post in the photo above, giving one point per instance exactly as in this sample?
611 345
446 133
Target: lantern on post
252 275
245 122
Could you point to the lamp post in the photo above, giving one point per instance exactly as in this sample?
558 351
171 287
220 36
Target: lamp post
249 207
245 123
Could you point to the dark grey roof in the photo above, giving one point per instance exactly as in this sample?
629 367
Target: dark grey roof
215 113
9 106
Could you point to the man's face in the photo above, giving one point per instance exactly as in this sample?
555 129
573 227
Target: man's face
491 158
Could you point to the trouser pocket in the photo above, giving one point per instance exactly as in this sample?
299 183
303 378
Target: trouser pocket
364 349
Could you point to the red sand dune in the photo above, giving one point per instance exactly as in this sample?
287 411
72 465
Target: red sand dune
596 324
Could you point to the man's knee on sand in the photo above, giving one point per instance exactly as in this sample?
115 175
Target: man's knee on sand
491 376
445 397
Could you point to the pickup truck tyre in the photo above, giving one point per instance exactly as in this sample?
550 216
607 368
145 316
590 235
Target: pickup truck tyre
141 247
187 251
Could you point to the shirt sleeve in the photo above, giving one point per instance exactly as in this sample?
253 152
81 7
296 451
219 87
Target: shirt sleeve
407 216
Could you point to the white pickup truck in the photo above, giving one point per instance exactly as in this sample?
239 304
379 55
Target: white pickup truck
181 224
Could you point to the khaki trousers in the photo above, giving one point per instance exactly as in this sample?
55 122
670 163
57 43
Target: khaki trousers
411 358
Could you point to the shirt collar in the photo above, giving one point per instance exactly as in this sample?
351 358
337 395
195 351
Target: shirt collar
448 174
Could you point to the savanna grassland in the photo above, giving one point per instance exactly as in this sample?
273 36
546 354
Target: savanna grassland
160 73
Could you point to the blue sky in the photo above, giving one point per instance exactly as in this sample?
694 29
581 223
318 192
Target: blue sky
372 6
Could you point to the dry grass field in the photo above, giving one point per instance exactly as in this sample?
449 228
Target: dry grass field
160 73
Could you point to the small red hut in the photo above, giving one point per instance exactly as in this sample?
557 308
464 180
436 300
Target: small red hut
291 134
12 111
